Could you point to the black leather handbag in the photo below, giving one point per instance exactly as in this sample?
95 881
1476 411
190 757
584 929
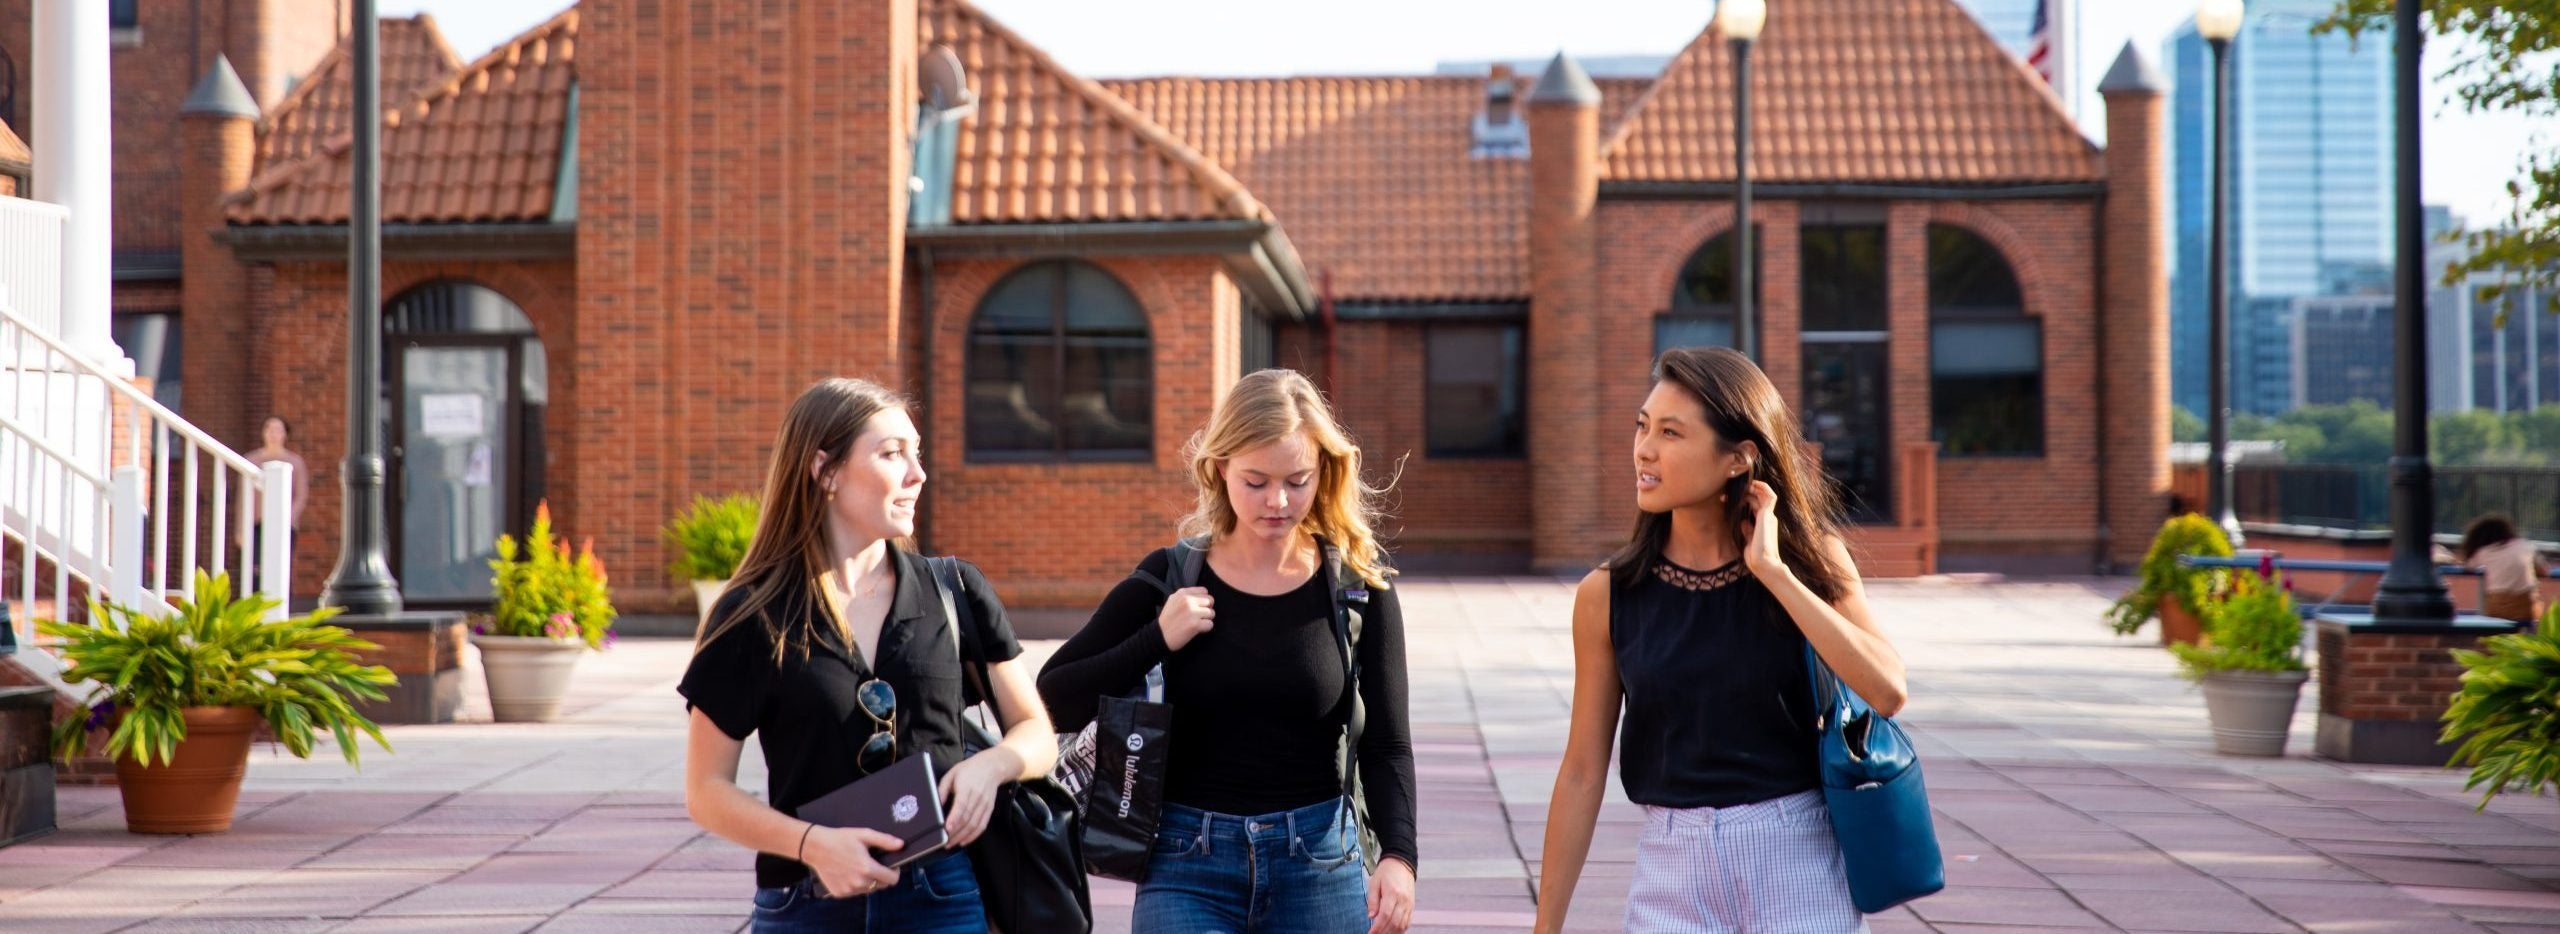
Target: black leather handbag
1030 860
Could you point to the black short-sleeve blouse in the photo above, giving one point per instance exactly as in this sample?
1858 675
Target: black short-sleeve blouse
803 711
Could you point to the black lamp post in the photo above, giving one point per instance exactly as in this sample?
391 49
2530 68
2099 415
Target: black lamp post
2410 590
2218 21
1740 22
362 583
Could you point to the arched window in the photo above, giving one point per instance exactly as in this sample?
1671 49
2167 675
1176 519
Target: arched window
1059 368
1986 354
1701 312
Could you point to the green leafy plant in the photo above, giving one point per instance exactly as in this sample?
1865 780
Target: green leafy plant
2252 625
2161 577
711 537
545 591
2506 716
214 651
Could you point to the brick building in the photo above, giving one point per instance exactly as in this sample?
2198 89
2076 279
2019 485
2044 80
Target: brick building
618 244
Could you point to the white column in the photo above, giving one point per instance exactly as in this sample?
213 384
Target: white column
72 162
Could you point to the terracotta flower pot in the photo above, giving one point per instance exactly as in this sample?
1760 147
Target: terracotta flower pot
196 791
2179 624
527 675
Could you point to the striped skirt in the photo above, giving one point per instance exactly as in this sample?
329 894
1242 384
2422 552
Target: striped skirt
1770 866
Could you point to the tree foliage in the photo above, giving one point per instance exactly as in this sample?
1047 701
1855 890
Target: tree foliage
2511 63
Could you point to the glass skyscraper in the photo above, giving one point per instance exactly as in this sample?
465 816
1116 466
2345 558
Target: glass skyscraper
2310 196
2008 21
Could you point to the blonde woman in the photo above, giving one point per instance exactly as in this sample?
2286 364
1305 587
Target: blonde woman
1254 836
831 648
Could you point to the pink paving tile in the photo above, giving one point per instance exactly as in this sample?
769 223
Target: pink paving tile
236 926
1427 917
679 884
2189 911
591 922
492 898
467 925
2538 900
2046 909
425 852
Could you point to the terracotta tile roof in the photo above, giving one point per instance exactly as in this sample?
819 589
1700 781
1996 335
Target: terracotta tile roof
1371 175
481 146
1048 146
415 58
1856 91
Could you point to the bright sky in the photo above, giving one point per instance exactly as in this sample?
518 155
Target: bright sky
2468 159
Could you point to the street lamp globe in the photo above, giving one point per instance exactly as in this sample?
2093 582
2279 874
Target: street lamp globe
1740 20
2218 20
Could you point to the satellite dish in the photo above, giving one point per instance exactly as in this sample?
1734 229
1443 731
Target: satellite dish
943 83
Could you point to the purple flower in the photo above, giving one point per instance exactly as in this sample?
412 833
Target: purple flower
98 715
2267 565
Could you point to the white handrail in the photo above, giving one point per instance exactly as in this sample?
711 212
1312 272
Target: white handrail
114 538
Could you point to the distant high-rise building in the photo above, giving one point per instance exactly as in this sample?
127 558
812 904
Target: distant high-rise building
2350 336
2009 21
2310 195
2475 361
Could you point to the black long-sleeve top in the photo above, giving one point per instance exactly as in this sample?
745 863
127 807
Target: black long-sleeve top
1259 700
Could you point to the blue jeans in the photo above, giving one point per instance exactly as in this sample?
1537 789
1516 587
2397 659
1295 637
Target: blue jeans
936 896
1293 872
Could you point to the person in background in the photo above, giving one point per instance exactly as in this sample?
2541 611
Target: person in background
2511 569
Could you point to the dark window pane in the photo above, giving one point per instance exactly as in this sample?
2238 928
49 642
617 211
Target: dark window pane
1843 278
1675 331
1096 304
1967 274
1472 391
1986 387
1012 380
153 342
120 14
1707 281
1108 405
1027 398
1844 412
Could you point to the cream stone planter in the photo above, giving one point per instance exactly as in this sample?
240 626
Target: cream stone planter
527 674
705 595
2251 711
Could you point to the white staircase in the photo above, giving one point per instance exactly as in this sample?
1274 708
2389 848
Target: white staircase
104 493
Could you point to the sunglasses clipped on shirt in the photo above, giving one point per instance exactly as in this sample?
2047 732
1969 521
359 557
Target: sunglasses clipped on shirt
880 703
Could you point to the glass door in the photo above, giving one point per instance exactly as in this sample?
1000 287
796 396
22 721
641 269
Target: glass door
453 463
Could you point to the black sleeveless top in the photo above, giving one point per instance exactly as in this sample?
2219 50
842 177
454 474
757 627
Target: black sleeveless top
1719 710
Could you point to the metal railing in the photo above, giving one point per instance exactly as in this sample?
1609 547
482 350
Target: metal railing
2358 498
113 491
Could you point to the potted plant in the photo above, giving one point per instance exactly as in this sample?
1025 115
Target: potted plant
2249 662
2167 590
710 539
2507 713
182 691
551 608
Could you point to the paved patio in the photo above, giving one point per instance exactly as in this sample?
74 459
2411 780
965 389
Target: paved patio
2071 771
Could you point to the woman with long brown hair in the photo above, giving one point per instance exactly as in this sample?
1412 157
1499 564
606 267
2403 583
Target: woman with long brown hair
831 647
1692 637
1256 836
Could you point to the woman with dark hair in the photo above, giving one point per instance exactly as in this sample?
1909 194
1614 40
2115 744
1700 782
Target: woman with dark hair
2511 568
831 647
1692 638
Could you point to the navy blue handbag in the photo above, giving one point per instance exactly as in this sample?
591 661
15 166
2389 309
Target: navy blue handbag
1879 809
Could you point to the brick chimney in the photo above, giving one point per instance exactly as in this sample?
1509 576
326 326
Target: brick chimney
742 200
1564 184
2134 310
218 124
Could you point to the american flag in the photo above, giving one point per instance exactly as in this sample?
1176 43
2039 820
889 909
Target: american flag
2040 44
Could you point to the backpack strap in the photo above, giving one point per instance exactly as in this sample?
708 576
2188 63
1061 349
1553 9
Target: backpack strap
1350 597
947 584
